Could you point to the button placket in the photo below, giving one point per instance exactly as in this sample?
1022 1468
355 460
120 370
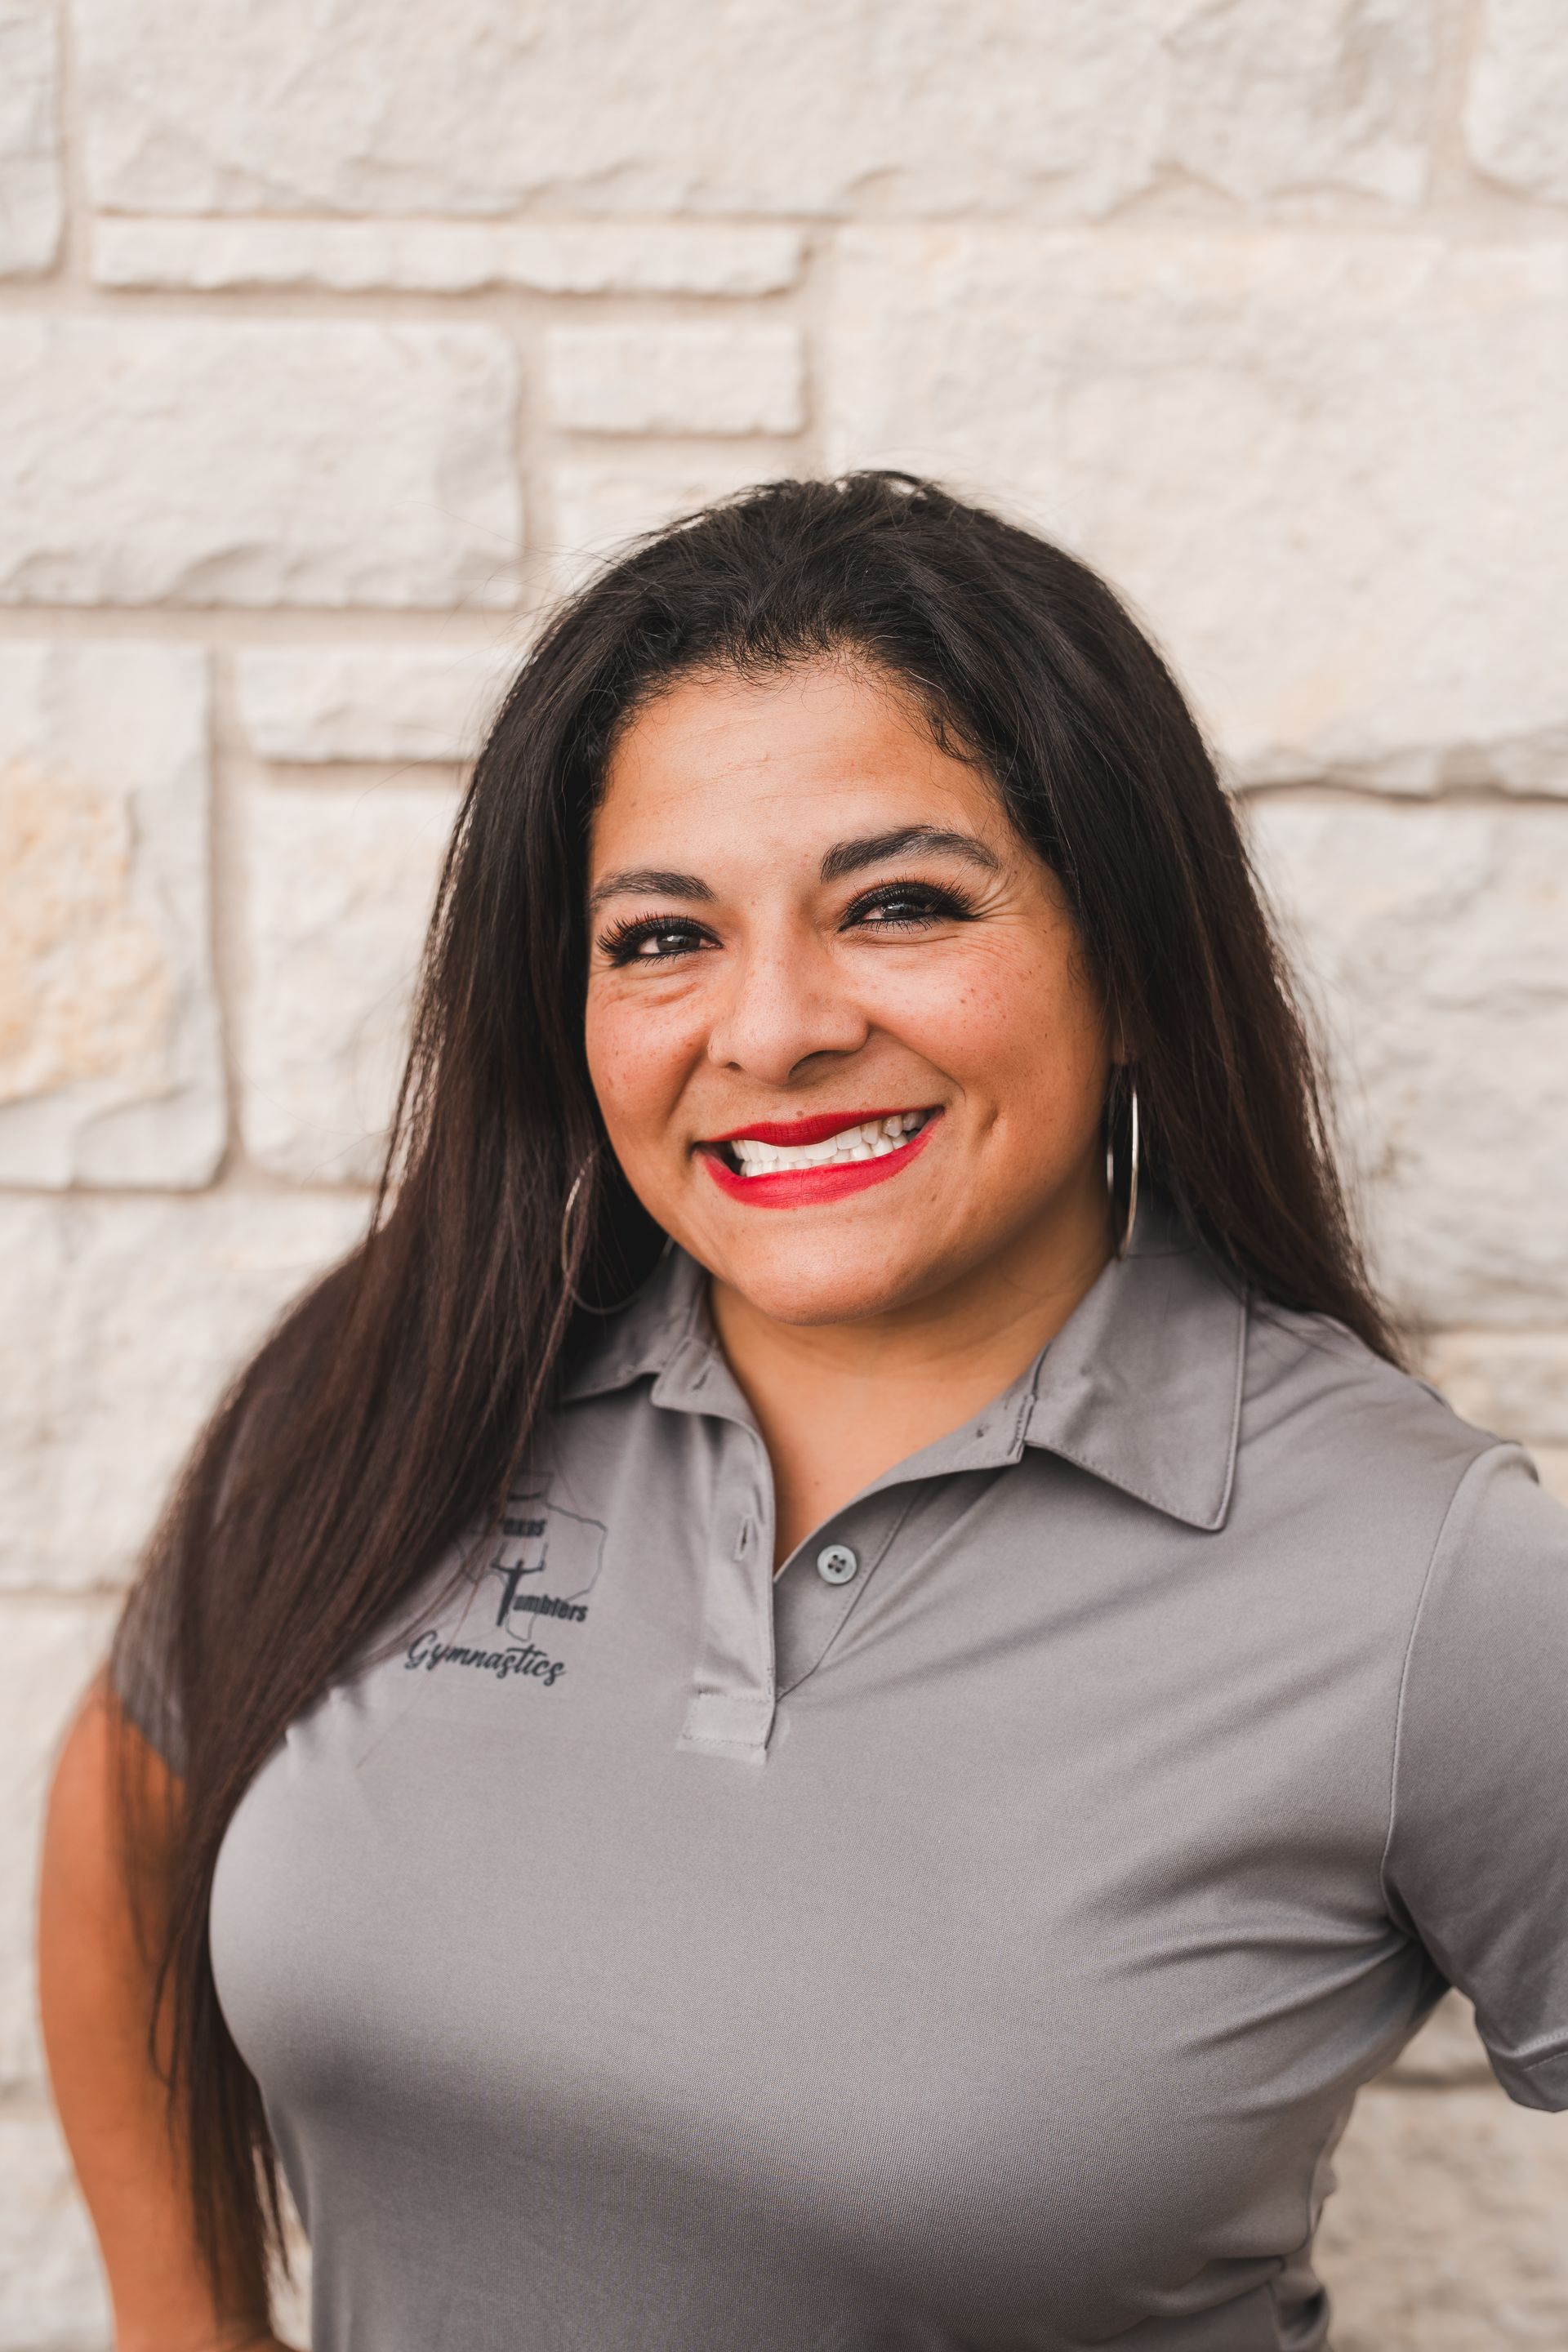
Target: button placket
810 1608
760 1635
730 1712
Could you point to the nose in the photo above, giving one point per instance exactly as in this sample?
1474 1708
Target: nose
787 1002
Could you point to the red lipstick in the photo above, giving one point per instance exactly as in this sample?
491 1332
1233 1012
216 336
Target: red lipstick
792 1132
804 1188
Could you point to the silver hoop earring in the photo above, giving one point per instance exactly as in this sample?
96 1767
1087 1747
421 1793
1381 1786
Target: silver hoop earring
582 1305
1125 1242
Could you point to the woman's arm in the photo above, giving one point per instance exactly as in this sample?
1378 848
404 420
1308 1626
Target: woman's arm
95 1990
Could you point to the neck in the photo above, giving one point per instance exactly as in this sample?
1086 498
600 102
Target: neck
839 1404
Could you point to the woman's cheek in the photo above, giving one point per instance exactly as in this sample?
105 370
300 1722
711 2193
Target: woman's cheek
638 1054
1021 1035
618 1072
967 1019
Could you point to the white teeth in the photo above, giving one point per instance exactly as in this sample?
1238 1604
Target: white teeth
872 1139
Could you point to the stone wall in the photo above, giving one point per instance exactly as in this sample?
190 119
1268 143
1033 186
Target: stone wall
337 337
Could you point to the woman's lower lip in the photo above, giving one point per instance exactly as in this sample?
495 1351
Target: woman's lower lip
804 1187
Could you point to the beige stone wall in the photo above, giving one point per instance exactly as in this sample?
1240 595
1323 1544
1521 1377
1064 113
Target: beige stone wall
334 337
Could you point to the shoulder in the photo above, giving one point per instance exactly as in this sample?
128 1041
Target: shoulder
1328 1416
1311 1385
1431 1539
1332 1433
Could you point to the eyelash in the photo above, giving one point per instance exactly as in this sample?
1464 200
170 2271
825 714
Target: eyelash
939 902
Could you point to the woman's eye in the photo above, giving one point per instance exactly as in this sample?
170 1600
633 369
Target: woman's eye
903 906
650 942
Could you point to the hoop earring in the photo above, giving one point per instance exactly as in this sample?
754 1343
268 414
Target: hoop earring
1125 1242
568 1283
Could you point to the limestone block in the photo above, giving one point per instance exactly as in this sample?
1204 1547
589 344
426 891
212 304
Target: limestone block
31 208
341 884
245 462
314 703
1515 1383
602 504
1327 469
339 106
33 1263
1446 2233
700 378
120 1322
1435 941
449 256
53 1648
109 1066
1269 100
52 2296
1518 97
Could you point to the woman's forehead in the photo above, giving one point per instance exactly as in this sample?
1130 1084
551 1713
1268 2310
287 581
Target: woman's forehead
807 754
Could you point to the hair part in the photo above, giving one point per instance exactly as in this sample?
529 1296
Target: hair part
388 1414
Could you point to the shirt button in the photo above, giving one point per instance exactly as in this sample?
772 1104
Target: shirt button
835 1563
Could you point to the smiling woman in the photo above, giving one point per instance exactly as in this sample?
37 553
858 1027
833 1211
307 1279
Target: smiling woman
856 1515
862 978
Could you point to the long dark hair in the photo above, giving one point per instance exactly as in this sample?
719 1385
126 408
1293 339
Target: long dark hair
388 1411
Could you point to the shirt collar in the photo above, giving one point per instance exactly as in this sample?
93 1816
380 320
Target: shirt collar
663 1325
1141 1387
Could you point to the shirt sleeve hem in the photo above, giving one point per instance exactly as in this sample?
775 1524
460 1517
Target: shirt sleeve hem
1540 2082
147 1710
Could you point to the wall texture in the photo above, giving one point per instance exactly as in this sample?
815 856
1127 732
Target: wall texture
335 338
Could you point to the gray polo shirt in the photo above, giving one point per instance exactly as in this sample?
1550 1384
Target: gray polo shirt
973 1938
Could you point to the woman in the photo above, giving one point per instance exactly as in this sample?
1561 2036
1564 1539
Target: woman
834 1694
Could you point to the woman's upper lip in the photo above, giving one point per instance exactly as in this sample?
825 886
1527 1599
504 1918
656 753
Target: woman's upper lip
794 1131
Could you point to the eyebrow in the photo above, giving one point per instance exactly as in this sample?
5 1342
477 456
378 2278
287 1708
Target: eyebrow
649 882
876 848
845 858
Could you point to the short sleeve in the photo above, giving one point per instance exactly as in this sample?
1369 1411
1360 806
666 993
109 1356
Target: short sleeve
141 1670
1477 1864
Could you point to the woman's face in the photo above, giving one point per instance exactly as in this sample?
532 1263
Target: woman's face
839 1023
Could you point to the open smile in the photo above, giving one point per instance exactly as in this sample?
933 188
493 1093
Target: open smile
797 1163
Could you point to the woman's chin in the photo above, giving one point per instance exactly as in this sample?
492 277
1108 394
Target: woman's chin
814 1281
